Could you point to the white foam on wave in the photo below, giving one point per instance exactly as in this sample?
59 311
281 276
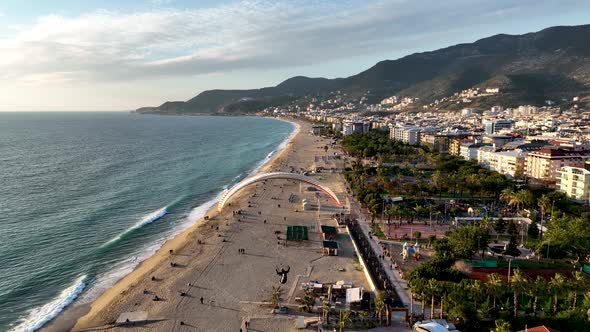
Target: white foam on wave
120 270
279 148
148 219
38 317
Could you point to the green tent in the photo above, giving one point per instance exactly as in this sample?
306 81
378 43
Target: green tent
297 233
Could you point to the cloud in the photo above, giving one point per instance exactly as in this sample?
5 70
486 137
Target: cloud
255 35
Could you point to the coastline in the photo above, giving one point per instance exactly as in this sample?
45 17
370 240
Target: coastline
87 315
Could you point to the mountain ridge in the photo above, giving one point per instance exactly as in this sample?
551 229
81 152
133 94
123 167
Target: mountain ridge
531 67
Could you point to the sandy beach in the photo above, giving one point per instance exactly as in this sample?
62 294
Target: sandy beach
218 274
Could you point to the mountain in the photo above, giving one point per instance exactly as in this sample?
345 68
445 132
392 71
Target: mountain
553 63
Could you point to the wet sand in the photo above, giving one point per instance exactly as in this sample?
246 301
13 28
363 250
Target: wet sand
205 261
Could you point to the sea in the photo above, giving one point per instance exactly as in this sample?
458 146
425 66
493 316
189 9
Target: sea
85 197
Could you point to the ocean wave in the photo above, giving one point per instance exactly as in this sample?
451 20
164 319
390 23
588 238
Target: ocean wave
200 211
40 316
271 154
109 278
148 219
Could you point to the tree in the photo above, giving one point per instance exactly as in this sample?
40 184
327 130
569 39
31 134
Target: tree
431 238
275 296
308 301
467 240
533 231
544 203
343 319
525 197
475 291
557 284
486 223
326 308
512 248
379 306
495 285
578 284
512 228
433 288
502 326
507 195
417 235
500 226
363 315
571 235
537 288
517 283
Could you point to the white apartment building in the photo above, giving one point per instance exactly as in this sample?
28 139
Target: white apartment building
545 164
355 127
408 135
468 151
575 183
510 163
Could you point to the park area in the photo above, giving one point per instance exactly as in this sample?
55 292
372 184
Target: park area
475 247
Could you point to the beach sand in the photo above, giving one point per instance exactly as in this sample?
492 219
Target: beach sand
234 286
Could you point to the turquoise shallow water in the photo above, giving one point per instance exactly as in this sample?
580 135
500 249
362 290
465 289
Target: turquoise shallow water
84 197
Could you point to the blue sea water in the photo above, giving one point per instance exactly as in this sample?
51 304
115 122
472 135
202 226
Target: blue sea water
84 197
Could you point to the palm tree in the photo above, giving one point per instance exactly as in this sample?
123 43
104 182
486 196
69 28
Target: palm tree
343 319
433 288
515 200
556 283
538 287
578 284
475 290
308 301
495 283
326 311
443 289
502 326
363 315
506 195
439 180
275 296
486 223
379 307
517 282
525 197
544 203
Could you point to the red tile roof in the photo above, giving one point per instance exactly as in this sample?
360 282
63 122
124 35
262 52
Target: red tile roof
541 328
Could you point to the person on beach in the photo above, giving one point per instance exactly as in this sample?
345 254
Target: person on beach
202 300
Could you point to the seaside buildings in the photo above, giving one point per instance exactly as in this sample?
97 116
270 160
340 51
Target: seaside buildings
545 164
495 126
355 127
523 142
575 182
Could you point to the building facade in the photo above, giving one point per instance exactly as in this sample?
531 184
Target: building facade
575 183
494 126
545 164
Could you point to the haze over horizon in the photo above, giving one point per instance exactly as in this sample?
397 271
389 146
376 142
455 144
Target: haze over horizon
119 55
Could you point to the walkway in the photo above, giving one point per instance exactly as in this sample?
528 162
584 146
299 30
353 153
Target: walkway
399 284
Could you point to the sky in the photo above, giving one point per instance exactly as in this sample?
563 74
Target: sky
72 55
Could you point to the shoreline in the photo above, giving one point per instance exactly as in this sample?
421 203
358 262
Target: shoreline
85 314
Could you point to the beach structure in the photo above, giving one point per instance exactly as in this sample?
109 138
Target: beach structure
330 248
329 232
276 175
297 233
